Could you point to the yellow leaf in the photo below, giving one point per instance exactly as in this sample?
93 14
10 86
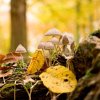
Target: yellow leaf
36 62
59 79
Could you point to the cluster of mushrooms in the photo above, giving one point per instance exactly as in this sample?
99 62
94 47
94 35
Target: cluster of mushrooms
9 61
59 44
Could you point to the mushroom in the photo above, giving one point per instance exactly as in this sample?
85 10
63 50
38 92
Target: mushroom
67 40
54 40
20 49
49 46
56 43
53 32
67 37
64 42
41 45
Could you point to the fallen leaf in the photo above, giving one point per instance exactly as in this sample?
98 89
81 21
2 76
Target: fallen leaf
10 72
36 62
12 57
5 67
1 57
59 79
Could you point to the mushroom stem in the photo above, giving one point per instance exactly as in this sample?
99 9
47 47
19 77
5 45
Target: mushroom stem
4 80
53 95
50 58
63 48
45 57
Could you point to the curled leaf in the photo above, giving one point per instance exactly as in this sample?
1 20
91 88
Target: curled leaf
59 79
36 62
12 57
10 72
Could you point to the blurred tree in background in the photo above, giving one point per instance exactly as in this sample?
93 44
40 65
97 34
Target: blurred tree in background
79 17
18 24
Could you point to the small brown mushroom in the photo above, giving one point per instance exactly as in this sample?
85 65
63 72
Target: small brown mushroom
49 46
53 32
41 45
68 36
67 40
54 40
20 49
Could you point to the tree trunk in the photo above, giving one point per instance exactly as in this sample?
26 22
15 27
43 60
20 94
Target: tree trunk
77 20
91 15
18 23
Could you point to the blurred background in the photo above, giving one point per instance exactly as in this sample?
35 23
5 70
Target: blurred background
25 21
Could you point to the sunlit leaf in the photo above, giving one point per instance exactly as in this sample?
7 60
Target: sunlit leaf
59 79
36 62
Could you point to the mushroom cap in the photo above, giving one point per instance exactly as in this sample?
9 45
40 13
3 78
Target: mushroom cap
54 40
41 45
49 46
53 32
20 49
67 38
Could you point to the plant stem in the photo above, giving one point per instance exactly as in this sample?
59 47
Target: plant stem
30 92
15 91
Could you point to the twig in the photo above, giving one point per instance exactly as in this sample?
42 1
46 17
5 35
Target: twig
4 80
30 92
15 91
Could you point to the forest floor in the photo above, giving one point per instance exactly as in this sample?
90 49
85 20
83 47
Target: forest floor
86 67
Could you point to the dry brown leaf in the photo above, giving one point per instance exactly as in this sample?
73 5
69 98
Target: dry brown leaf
10 72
